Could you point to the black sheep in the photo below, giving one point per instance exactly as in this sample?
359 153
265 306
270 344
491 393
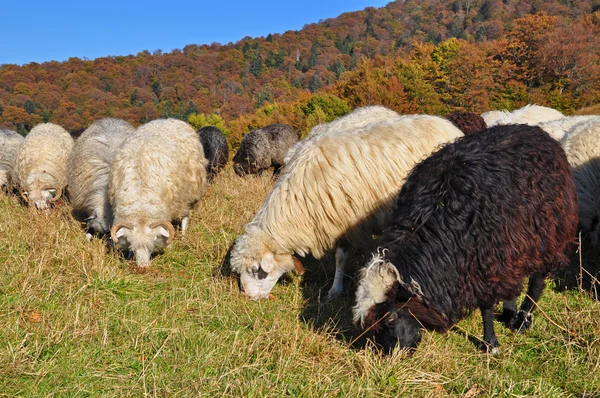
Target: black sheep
215 147
264 148
471 222
467 122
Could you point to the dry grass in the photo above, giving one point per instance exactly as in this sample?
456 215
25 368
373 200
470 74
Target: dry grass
590 110
75 319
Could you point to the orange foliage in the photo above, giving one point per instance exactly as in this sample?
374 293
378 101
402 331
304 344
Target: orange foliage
412 56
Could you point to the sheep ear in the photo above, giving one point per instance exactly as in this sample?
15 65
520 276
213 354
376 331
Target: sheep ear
163 231
267 262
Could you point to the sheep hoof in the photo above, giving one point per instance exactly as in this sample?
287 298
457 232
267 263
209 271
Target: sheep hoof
490 348
88 237
333 294
508 317
521 322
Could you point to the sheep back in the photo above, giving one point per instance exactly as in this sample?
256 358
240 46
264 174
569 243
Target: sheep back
88 170
10 141
215 148
345 184
42 158
159 173
529 114
467 122
582 146
264 148
357 119
470 223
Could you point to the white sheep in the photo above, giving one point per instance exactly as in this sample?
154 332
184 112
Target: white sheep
88 169
10 141
559 128
41 164
582 146
358 118
336 188
158 176
529 114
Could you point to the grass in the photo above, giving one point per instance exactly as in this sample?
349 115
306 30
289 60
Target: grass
77 320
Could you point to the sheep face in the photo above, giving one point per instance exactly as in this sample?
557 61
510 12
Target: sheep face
260 262
142 239
40 190
399 328
245 167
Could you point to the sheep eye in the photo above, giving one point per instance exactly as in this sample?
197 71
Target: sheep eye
391 318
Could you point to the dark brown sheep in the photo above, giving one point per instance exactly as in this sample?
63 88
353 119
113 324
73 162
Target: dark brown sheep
467 122
264 148
471 222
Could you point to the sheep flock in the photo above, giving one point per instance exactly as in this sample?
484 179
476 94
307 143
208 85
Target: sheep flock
453 213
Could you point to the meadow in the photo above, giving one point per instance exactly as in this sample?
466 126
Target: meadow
77 319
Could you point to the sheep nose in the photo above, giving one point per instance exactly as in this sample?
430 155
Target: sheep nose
40 204
261 274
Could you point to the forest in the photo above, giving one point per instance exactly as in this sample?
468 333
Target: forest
413 56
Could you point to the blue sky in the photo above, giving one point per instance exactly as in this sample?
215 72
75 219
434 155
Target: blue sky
38 31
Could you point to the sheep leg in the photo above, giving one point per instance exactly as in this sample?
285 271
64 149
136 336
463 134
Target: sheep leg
522 321
276 168
185 221
509 311
338 281
490 341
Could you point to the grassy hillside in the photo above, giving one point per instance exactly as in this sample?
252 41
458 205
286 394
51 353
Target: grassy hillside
77 320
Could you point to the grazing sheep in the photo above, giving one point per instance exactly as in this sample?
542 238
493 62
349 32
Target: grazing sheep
88 170
559 128
158 176
41 164
529 114
471 222
467 122
337 189
357 119
215 148
9 146
582 145
264 148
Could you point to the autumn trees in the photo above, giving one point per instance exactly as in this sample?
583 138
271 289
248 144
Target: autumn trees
412 56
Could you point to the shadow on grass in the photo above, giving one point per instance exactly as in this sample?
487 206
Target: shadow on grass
333 316
583 273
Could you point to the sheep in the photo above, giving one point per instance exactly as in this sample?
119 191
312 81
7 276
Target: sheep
158 176
529 114
559 128
264 148
470 223
358 118
337 189
40 167
582 145
467 122
215 148
88 170
10 141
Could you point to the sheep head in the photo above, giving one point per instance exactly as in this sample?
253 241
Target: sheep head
143 238
41 198
260 261
385 305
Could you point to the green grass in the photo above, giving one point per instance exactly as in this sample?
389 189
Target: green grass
77 320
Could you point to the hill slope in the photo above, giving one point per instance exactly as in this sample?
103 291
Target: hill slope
510 54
